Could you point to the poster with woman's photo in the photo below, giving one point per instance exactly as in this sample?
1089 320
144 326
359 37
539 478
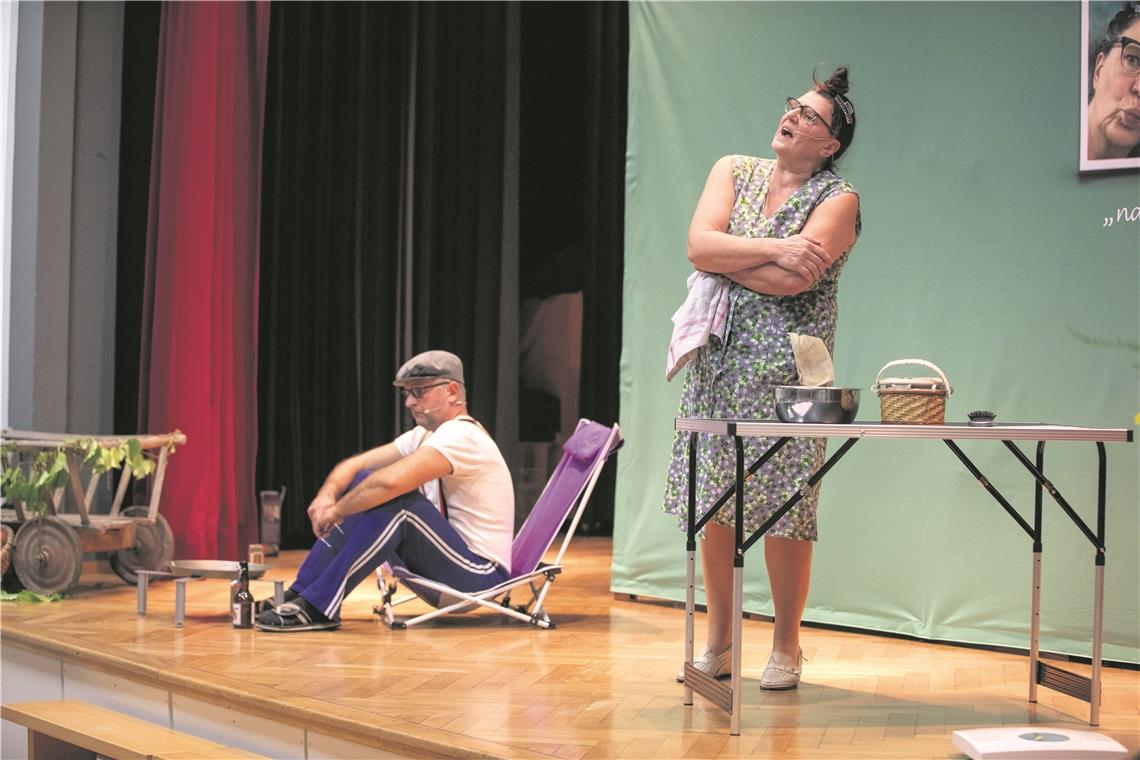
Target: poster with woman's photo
1110 87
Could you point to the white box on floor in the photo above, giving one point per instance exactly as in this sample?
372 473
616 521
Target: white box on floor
1010 742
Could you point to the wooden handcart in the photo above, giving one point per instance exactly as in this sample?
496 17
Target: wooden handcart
47 549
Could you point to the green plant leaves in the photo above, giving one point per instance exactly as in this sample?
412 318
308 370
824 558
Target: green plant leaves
140 465
51 469
28 596
16 486
101 458
31 481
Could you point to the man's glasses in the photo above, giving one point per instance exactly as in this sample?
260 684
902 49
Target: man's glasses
418 392
808 113
1129 54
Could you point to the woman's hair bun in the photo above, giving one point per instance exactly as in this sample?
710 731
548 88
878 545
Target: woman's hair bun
842 110
836 84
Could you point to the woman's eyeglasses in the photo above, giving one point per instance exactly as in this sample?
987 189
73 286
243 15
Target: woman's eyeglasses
809 114
418 392
1129 54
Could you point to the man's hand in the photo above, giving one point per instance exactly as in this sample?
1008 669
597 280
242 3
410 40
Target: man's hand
400 477
323 500
324 517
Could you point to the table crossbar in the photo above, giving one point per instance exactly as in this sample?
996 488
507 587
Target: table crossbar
870 429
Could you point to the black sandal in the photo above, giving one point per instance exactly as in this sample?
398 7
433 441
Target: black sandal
292 616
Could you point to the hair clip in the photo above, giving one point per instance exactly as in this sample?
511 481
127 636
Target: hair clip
846 107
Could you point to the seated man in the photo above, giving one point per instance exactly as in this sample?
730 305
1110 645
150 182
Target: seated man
439 498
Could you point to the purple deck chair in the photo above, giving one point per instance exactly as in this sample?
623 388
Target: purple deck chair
566 493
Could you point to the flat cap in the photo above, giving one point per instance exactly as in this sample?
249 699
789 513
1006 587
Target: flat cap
430 365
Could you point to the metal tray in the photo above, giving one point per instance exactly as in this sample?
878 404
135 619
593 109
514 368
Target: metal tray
213 568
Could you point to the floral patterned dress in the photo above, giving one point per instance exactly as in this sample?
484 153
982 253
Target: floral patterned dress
735 379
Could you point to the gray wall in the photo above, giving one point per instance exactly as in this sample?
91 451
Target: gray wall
8 15
61 345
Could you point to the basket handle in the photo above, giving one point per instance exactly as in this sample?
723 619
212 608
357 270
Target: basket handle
921 362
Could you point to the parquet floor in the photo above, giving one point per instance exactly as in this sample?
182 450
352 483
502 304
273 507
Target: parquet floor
600 685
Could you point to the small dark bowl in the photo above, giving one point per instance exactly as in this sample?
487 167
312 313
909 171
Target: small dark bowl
822 405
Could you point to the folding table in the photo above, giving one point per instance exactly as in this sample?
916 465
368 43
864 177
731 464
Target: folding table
728 697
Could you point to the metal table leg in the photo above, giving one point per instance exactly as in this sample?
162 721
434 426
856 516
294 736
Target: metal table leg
697 681
1086 689
1050 676
1098 589
737 590
1098 633
179 602
180 598
690 608
142 581
737 632
1035 628
1035 596
690 567
729 698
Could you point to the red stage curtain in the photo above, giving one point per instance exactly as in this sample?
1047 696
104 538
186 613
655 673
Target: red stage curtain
198 367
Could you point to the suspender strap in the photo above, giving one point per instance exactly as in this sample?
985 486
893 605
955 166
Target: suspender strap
439 483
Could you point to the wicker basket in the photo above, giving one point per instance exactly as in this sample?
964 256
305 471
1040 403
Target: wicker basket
912 400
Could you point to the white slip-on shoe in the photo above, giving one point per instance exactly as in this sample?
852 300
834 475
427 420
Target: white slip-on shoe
715 665
783 673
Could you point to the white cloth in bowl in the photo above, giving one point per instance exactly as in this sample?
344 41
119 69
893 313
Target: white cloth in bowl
813 361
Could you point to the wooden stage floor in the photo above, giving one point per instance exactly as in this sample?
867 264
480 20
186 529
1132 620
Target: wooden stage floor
600 685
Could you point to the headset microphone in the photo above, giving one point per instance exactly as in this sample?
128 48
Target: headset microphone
433 410
805 134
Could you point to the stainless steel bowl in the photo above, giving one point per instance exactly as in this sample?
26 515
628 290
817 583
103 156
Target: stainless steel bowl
213 568
823 405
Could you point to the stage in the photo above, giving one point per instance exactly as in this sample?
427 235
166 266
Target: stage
599 685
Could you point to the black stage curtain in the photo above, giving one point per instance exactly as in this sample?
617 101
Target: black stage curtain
384 152
391 216
392 211
607 73
464 253
140 57
573 114
140 64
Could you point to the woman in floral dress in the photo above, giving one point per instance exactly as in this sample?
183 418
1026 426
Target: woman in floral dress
780 232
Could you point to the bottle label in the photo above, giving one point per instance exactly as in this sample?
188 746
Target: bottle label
242 615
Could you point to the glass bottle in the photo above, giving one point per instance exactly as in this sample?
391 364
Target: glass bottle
243 599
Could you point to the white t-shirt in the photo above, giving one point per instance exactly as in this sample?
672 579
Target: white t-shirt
479 493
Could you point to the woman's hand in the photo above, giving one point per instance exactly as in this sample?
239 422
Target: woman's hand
801 255
773 266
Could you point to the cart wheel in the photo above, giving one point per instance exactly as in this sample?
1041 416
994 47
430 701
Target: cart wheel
153 549
47 556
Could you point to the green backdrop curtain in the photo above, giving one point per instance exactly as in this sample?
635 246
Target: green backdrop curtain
983 250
